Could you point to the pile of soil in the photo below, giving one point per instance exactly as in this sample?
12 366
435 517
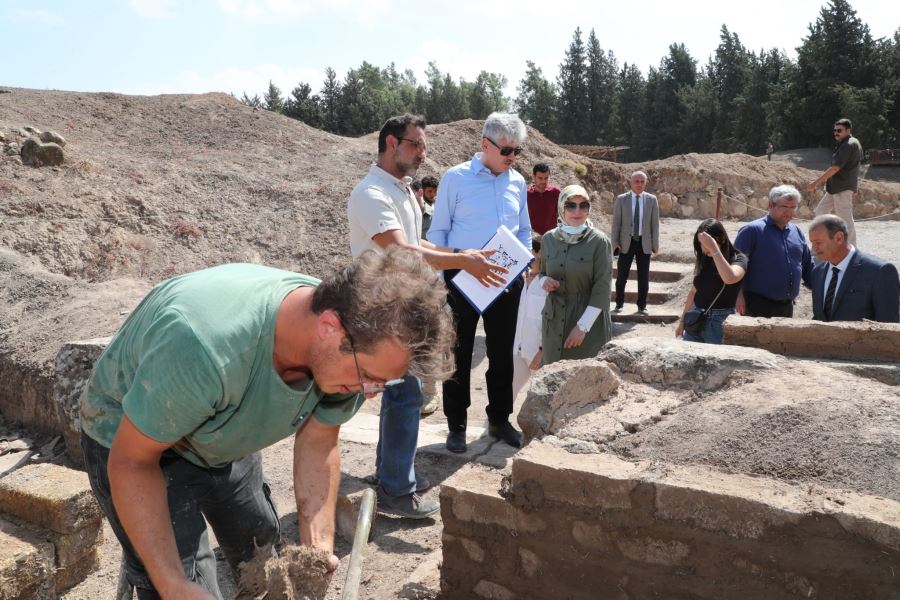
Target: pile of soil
297 573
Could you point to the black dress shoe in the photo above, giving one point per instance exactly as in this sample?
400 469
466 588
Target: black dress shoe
507 433
456 442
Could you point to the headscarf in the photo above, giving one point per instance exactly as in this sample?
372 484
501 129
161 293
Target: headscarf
569 192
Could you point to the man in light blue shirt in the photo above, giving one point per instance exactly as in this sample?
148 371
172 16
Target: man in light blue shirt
473 200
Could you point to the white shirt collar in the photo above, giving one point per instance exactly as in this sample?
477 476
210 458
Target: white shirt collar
403 184
846 262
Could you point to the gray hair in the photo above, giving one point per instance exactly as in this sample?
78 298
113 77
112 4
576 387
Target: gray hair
504 126
637 173
832 223
780 192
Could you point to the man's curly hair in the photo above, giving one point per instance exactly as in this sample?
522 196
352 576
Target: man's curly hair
394 294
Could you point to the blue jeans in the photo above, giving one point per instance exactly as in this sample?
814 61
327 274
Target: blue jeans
399 436
712 333
235 499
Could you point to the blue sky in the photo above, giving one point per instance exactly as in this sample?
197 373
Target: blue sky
172 46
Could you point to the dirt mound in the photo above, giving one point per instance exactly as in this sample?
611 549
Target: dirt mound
297 573
726 407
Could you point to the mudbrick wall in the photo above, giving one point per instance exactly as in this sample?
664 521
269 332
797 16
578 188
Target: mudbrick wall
50 529
845 340
593 526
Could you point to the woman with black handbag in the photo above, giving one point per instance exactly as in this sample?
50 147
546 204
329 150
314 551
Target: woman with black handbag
717 281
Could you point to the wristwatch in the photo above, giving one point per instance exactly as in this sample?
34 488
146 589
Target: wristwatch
456 251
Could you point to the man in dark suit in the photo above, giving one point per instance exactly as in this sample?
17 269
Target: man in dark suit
849 285
635 236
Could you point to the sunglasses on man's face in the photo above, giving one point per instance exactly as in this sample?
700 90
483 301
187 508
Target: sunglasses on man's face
573 206
838 130
505 150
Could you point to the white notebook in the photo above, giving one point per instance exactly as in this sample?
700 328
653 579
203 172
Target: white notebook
510 253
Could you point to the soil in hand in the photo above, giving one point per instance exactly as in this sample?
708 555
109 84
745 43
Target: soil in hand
297 573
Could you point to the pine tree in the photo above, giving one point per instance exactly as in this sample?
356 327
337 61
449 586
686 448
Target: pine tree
601 92
729 72
331 99
630 93
574 109
537 101
303 105
272 99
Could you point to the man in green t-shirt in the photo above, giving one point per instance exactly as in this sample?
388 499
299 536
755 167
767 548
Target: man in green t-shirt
841 179
215 365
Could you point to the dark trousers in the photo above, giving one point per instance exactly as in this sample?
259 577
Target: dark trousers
635 252
500 333
761 306
235 499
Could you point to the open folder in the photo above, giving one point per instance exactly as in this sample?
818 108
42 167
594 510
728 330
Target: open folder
511 254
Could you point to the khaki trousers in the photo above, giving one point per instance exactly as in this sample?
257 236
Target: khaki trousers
840 204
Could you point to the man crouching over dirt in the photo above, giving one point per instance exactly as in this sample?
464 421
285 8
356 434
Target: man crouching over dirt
215 365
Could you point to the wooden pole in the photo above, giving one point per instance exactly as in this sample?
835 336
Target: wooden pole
718 203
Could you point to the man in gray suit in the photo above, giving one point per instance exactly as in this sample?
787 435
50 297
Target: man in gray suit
849 285
635 236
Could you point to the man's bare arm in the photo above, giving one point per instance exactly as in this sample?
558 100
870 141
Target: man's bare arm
474 262
317 474
139 494
828 174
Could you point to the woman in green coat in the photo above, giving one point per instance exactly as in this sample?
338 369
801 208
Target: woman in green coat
576 267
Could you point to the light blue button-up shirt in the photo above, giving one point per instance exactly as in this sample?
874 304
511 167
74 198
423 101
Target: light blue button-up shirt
472 203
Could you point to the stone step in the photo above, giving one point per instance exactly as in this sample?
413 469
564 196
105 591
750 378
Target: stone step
660 271
657 314
659 293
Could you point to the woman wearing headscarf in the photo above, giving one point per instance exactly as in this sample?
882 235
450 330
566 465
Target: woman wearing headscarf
577 274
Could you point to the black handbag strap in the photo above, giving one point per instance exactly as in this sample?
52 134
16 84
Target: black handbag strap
713 303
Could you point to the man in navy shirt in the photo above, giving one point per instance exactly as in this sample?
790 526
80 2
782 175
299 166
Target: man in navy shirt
473 200
779 258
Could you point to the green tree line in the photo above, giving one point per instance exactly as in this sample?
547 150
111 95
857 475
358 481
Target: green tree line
739 101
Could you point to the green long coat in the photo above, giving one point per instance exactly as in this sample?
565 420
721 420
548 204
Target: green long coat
584 271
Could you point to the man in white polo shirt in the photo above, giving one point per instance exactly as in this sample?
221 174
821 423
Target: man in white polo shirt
383 211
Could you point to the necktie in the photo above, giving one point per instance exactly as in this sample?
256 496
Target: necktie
829 296
636 226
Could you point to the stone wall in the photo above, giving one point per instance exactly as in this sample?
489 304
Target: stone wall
50 530
843 340
593 526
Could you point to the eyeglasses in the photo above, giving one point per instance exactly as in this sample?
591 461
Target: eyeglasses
573 206
786 208
838 130
366 387
419 144
505 150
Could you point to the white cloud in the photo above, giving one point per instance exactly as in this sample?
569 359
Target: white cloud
153 9
267 10
37 17
366 14
252 80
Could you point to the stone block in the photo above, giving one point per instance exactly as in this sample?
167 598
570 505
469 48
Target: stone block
50 496
563 391
76 572
492 591
471 499
74 547
26 564
737 505
530 563
72 371
597 481
591 536
657 552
